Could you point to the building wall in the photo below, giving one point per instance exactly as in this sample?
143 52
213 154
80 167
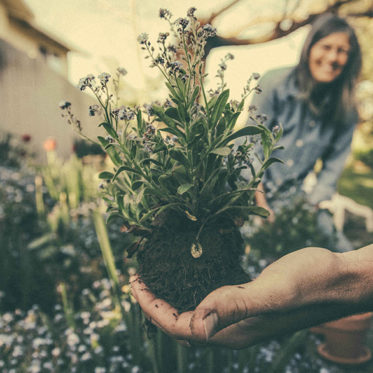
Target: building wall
29 96
28 40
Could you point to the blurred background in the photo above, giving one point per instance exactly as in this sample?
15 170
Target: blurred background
48 46
55 250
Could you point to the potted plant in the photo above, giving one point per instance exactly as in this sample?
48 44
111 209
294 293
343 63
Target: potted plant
345 339
176 182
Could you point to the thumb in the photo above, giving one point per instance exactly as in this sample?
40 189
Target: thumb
221 308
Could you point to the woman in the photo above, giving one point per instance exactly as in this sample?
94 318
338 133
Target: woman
314 102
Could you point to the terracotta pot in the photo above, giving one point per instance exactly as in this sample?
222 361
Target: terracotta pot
345 339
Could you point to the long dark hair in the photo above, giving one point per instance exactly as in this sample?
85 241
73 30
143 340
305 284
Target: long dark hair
341 92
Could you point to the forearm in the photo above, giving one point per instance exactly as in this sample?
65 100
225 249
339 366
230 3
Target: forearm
343 285
357 278
316 276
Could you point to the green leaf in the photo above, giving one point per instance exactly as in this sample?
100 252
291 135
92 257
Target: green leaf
194 95
279 134
139 196
173 131
253 210
225 151
181 85
266 143
108 146
41 241
114 156
271 161
252 169
172 113
106 175
156 211
151 160
179 156
257 210
246 131
219 107
126 168
240 106
103 141
184 188
160 112
164 181
112 216
280 147
232 120
176 98
109 129
182 112
137 184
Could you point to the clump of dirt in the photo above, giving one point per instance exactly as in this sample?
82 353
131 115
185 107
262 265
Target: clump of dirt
167 267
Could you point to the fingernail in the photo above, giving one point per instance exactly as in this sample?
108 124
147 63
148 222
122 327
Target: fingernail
209 323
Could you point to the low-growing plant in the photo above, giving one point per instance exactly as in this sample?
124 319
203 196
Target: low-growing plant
176 181
15 150
22 279
95 339
295 227
365 156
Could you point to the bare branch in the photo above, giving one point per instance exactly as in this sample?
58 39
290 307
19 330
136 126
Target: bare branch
367 14
278 31
216 14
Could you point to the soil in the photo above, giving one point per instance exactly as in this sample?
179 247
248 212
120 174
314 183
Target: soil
167 267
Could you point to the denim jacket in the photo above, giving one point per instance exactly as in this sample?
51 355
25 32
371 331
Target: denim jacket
305 137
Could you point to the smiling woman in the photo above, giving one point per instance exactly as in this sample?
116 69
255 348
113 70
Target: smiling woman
315 103
329 56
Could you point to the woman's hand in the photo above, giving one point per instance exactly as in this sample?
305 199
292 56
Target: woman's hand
302 289
261 201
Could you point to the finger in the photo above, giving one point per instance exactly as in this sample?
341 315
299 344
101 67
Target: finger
231 304
224 306
161 313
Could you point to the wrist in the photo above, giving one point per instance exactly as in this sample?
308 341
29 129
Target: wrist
357 275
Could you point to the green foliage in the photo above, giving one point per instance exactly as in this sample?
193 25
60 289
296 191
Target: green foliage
14 150
69 182
365 156
83 148
295 227
179 156
357 184
47 234
22 278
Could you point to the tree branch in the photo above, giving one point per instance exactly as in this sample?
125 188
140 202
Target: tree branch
278 31
216 14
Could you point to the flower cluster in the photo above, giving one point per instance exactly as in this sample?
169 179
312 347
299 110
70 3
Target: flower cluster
222 69
71 119
249 88
93 341
184 57
169 157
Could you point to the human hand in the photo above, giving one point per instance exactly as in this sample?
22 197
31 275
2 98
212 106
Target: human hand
261 201
302 289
